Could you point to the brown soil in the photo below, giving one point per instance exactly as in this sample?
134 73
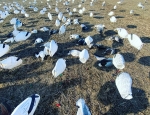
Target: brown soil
79 80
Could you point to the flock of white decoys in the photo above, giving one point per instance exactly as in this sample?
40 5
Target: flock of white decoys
123 80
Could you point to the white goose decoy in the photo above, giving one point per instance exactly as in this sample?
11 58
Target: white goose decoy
60 15
22 35
40 54
113 19
26 15
50 16
3 49
44 29
82 107
118 61
28 106
140 5
122 32
74 53
38 40
75 21
42 12
115 7
35 9
50 48
135 41
59 68
83 55
10 62
57 10
89 41
91 14
62 29
74 10
64 19
111 13
16 11
124 84
131 11
75 36
57 23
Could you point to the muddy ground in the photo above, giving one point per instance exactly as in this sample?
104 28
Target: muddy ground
96 85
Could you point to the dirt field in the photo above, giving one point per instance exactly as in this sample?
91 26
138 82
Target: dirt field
96 85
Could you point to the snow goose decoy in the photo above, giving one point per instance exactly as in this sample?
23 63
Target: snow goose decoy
124 84
83 56
75 21
116 39
50 16
64 19
83 27
115 7
16 21
104 62
135 41
82 107
74 53
38 40
10 62
131 12
62 29
75 36
110 51
3 49
57 23
59 68
91 14
44 29
57 10
60 15
118 62
122 32
28 106
111 13
21 36
40 54
50 48
89 41
100 28
113 19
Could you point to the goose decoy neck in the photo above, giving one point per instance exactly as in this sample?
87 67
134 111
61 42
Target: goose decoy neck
27 33
18 59
131 36
4 45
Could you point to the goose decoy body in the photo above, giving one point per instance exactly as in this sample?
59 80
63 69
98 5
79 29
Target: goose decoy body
111 13
75 36
89 41
135 41
59 68
118 61
40 54
4 48
81 42
82 107
50 48
122 32
44 29
38 40
74 53
62 29
113 19
64 19
110 51
116 39
83 56
50 16
83 27
53 31
104 62
57 23
100 28
22 35
124 84
60 15
28 106
10 62
75 21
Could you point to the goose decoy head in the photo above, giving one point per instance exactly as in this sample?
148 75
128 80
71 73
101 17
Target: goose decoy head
77 106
